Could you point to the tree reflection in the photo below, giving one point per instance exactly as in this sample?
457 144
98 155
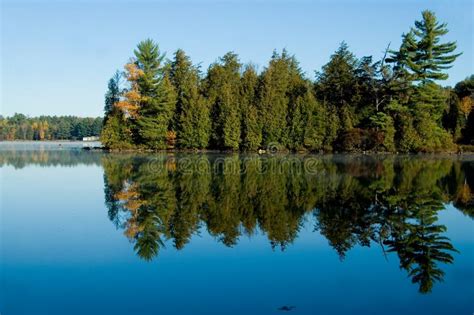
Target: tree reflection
391 202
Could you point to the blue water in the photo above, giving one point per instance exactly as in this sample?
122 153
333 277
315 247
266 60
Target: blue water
61 254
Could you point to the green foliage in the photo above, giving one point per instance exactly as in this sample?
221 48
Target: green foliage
384 123
422 59
454 120
282 87
251 126
408 139
157 97
465 107
116 134
113 94
222 87
21 127
307 127
148 58
191 116
392 104
156 116
427 57
336 86
332 128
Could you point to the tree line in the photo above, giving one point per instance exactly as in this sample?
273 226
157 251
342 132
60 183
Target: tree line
21 127
354 104
382 201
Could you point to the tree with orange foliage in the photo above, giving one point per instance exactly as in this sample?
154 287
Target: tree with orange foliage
130 102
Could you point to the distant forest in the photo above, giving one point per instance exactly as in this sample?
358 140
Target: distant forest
394 104
21 127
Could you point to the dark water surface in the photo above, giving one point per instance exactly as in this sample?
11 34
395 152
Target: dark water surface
91 233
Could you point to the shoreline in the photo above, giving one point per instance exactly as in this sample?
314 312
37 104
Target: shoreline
281 153
95 146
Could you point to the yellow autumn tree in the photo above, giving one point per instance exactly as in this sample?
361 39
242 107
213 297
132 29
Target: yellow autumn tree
130 103
43 128
465 105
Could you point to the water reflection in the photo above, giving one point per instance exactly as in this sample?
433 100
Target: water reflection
47 158
389 202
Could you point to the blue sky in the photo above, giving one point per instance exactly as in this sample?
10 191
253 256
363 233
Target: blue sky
57 56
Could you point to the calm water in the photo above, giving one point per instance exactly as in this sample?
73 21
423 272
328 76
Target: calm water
91 233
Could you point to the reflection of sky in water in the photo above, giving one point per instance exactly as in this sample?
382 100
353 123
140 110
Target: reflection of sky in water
45 145
62 255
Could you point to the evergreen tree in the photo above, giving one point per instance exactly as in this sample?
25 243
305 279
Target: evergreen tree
181 73
157 94
306 123
384 123
116 133
113 94
370 95
191 117
422 59
453 117
222 90
465 107
336 87
251 126
427 57
276 95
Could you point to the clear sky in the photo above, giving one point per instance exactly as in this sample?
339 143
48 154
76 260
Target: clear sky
57 56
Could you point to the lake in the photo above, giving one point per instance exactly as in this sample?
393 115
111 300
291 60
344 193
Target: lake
86 232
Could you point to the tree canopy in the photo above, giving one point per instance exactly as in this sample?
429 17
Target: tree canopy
394 104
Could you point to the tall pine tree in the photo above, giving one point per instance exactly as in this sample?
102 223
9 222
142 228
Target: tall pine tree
222 90
158 97
277 96
251 126
423 59
191 117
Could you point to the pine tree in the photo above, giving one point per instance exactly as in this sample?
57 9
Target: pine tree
251 129
191 117
155 118
383 122
427 58
423 59
222 90
336 82
157 94
276 95
332 126
181 73
116 131
113 94
336 88
314 118
306 130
